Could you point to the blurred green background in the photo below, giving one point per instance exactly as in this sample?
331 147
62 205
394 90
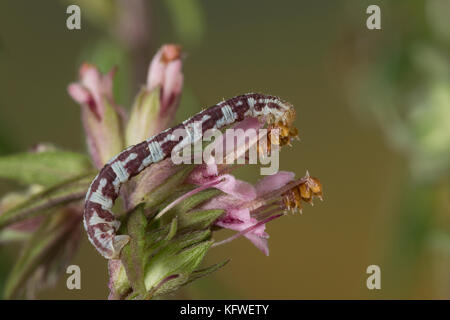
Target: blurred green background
373 113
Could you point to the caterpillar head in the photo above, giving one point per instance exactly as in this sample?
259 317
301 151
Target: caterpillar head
282 122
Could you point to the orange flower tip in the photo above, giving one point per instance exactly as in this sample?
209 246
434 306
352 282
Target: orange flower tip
85 67
171 52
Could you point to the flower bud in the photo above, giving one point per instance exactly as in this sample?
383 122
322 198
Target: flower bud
156 104
102 118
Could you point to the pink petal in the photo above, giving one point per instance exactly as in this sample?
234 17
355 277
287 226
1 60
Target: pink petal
259 242
239 219
249 123
104 138
156 70
107 83
209 167
91 78
257 236
203 173
79 93
241 144
237 188
173 83
223 201
150 179
92 81
273 182
241 214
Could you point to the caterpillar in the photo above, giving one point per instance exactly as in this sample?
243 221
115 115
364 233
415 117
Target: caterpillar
99 221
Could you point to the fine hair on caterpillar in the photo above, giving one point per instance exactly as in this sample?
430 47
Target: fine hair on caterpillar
100 222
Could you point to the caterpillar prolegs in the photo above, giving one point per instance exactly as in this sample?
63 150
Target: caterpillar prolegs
100 222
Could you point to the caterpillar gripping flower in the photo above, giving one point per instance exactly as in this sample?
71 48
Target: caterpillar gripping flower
99 220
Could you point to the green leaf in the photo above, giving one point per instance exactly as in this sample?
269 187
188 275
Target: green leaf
163 191
173 229
200 273
44 168
187 204
109 133
46 200
144 114
188 239
119 281
183 263
133 254
161 263
42 248
201 219
11 235
157 239
195 200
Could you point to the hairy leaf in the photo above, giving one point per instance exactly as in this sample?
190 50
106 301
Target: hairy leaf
44 168
133 254
200 219
11 235
200 273
152 194
46 200
144 113
182 264
45 249
188 204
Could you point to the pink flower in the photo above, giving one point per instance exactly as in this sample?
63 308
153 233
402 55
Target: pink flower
165 72
240 213
237 194
210 171
247 207
102 118
240 199
157 102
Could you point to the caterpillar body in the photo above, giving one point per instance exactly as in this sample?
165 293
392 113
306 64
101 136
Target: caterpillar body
99 221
